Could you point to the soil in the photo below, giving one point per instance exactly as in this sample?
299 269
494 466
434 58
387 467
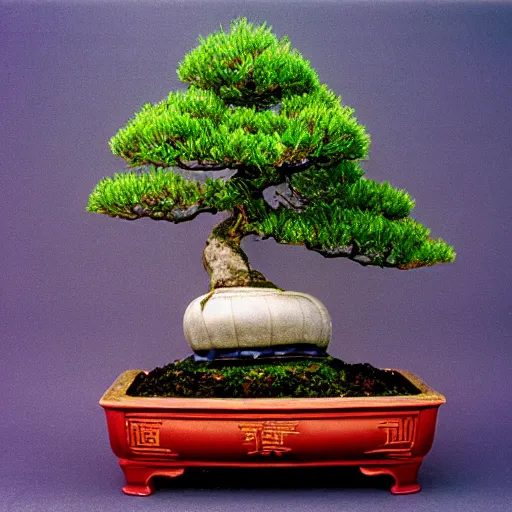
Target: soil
315 377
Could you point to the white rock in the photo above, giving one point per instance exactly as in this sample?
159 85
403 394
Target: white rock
256 318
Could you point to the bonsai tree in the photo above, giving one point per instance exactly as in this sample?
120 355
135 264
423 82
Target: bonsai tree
287 152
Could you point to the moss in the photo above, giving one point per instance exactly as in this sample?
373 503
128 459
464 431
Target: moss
329 377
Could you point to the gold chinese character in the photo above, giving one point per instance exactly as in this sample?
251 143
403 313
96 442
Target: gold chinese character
268 436
399 432
144 436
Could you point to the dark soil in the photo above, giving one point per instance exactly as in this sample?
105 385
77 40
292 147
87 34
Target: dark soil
325 377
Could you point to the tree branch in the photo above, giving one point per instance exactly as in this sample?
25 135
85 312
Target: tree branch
196 165
175 215
353 253
288 168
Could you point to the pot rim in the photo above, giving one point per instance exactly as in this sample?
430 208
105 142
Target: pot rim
116 398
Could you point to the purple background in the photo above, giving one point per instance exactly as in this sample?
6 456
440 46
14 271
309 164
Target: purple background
85 297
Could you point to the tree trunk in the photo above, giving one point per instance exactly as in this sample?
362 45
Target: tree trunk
225 261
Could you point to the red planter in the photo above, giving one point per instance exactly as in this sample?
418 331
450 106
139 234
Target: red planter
164 436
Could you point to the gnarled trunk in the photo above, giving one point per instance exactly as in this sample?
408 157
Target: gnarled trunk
225 261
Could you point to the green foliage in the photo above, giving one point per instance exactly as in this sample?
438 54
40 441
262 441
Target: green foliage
196 126
156 191
163 194
254 105
329 377
324 129
348 189
248 66
362 236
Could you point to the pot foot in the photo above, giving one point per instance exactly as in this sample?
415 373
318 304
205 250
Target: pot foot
138 490
139 477
405 476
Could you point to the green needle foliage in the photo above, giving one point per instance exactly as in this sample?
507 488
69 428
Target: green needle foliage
255 108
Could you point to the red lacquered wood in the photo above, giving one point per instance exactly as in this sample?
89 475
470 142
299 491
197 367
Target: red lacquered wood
405 475
139 476
163 436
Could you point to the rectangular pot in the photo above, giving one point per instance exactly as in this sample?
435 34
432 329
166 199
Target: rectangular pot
163 436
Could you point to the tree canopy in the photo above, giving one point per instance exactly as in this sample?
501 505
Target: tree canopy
256 108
